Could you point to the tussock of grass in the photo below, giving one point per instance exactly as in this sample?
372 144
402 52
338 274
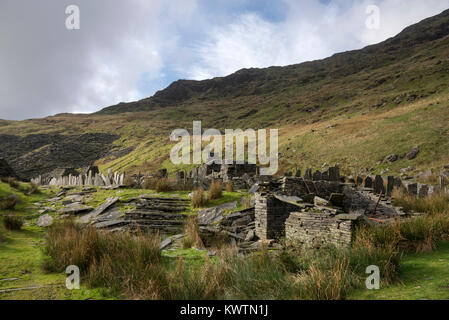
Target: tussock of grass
215 190
163 185
12 222
229 187
198 198
131 266
9 202
192 237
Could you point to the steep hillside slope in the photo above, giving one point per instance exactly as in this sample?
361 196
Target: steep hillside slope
354 108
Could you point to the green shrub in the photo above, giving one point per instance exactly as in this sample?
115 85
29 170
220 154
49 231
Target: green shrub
12 222
10 202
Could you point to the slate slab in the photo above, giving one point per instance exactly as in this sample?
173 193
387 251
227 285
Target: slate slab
215 214
99 210
75 208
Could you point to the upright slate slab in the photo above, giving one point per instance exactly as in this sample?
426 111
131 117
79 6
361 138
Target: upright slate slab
423 190
412 188
317 176
334 173
379 185
325 175
308 174
398 183
390 185
368 182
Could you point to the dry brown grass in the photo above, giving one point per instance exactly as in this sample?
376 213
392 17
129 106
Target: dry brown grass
163 185
192 231
215 190
435 203
159 184
229 186
247 202
326 284
127 264
129 182
198 198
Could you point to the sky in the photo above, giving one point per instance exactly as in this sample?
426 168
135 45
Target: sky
127 50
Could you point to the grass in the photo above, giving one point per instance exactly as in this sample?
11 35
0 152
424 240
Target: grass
21 261
423 276
436 203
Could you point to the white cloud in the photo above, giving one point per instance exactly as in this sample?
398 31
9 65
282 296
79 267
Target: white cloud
124 46
311 30
47 69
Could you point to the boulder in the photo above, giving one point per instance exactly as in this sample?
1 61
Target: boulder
391 158
412 154
379 185
44 221
334 173
368 182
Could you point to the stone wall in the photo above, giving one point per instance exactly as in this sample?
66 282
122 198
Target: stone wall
316 229
270 216
70 177
241 175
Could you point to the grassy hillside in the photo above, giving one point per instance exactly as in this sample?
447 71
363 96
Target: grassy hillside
353 108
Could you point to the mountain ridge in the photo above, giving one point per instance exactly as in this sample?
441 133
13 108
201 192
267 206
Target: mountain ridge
429 29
